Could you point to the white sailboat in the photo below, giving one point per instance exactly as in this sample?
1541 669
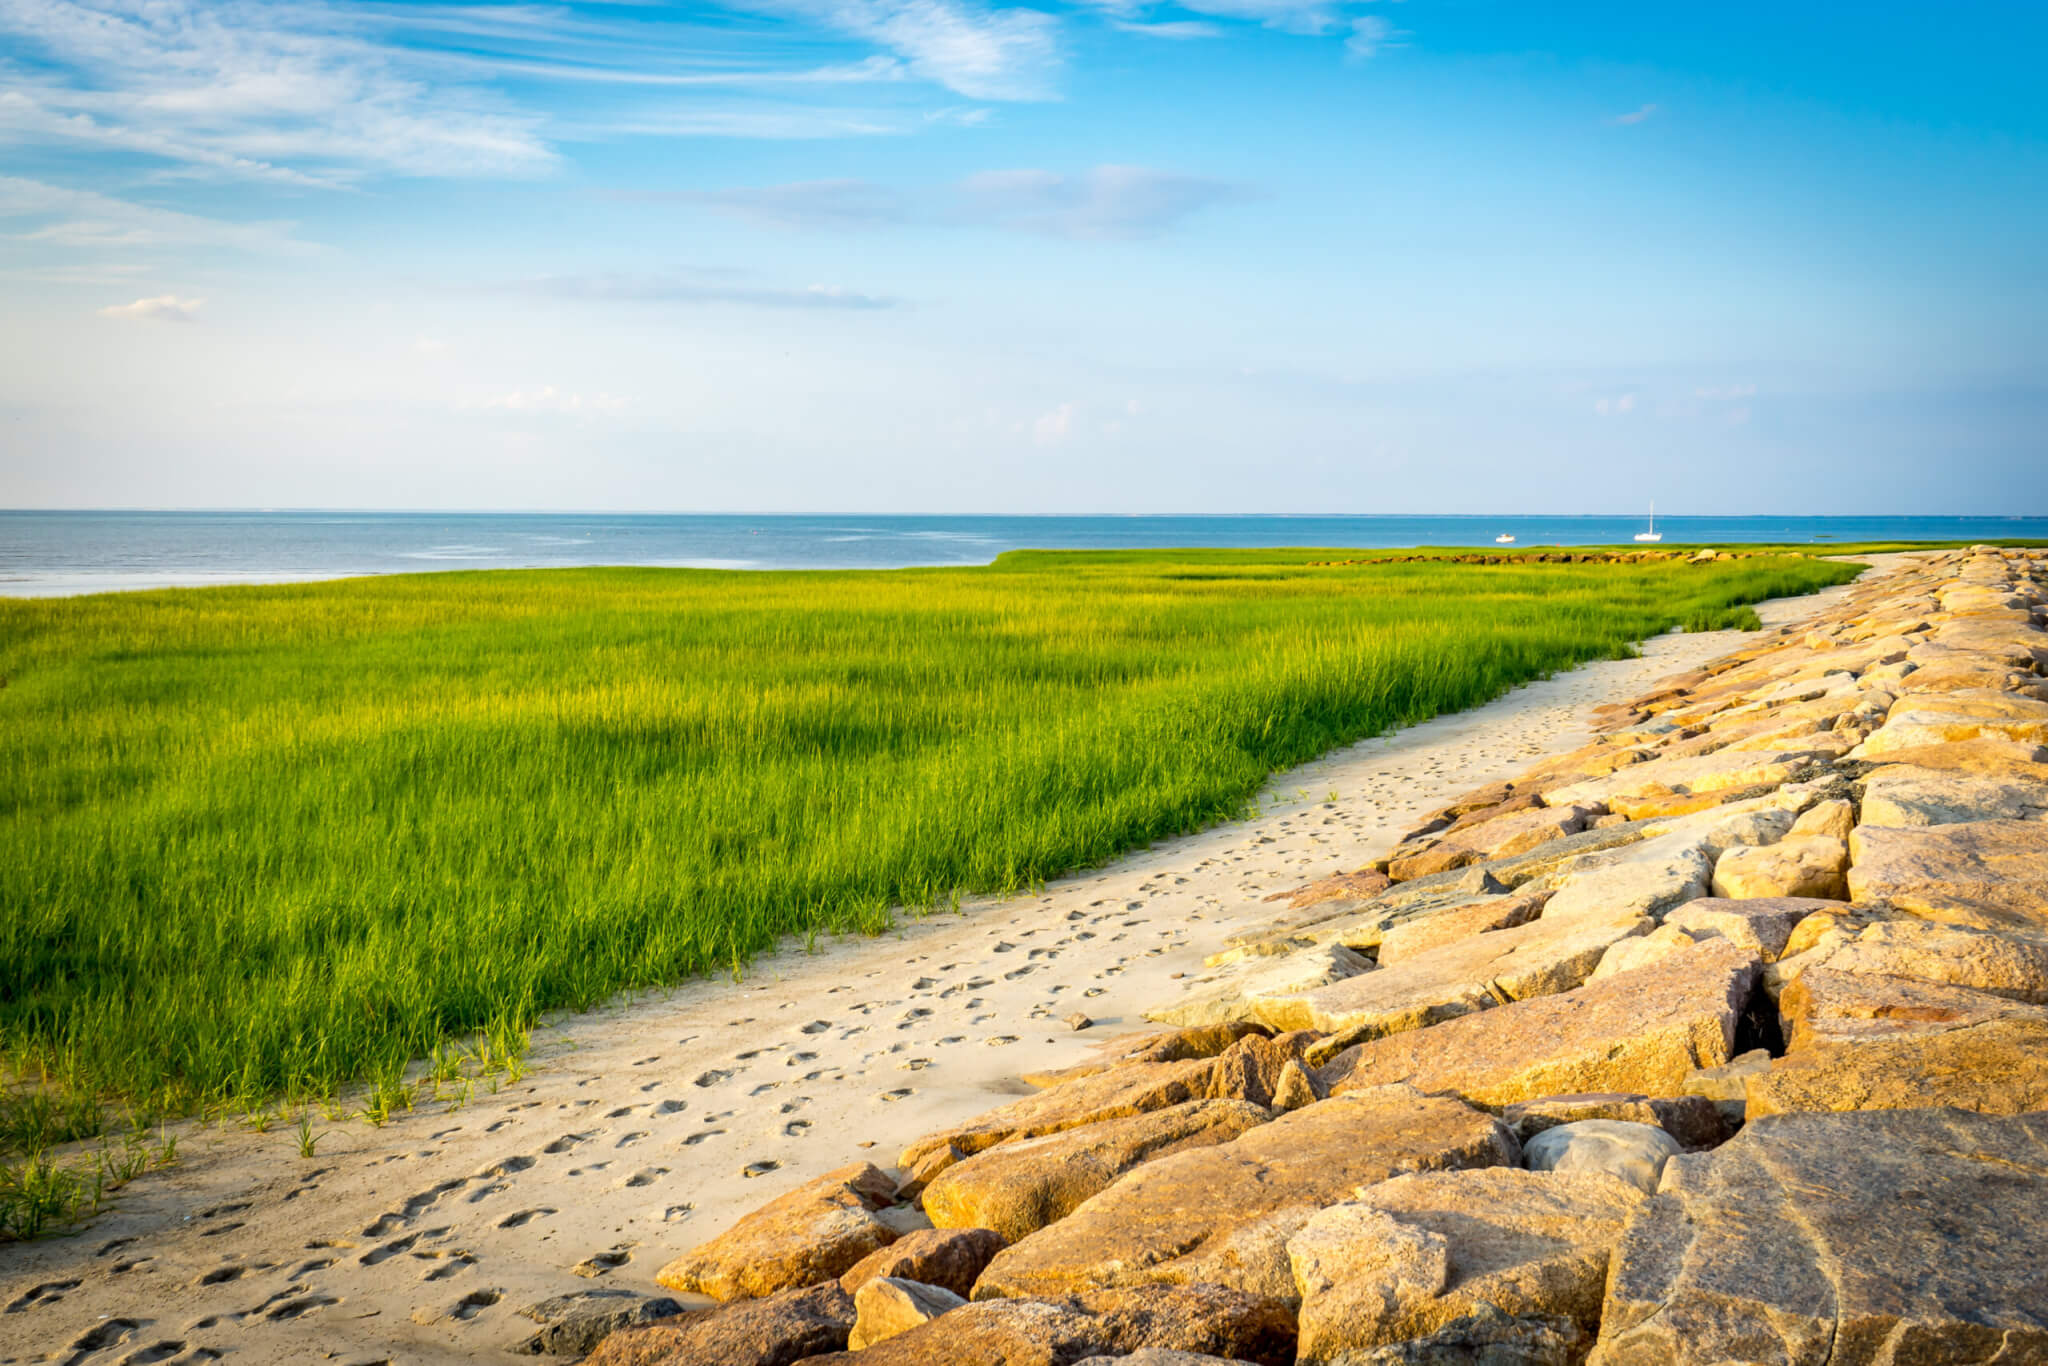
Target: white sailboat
1652 534
1505 538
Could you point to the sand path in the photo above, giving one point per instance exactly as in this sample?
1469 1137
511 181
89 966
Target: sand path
647 1127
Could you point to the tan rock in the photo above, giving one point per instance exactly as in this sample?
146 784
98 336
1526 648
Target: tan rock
1225 995
1156 1356
1640 1031
1762 925
1897 795
812 1234
1986 874
1635 1153
1021 1186
999 1333
1639 952
1701 774
1848 1239
778 1330
951 1258
1802 866
1224 1214
1438 928
2004 965
1504 835
1945 718
1161 1045
1457 978
1834 818
1248 1070
1415 1254
886 1306
1642 879
1999 1068
1352 887
1988 757
1825 1006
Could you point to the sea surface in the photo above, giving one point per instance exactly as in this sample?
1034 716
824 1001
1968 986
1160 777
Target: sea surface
53 553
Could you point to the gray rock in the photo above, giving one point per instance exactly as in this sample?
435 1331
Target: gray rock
1634 1152
572 1324
1888 1236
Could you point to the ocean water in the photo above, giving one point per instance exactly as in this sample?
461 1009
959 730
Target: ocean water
52 553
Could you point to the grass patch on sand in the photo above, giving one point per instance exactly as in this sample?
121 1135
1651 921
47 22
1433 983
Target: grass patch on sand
258 844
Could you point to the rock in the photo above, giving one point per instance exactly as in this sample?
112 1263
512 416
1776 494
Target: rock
1900 795
1359 886
1156 1356
1911 1236
1727 1085
1485 1337
1415 1254
1834 818
572 1324
1634 1153
1641 951
1413 938
1694 1121
812 1234
1644 879
1945 718
1203 1318
1466 975
1986 757
1998 1068
1077 1021
1021 1186
886 1306
1247 1070
1700 774
951 1258
1987 875
792 1326
993 1333
1218 997
2003 965
1224 1214
1499 837
1641 1031
1826 1006
1797 866
1163 1045
1762 925
1296 1089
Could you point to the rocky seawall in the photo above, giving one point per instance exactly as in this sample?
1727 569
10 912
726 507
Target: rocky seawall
1722 1039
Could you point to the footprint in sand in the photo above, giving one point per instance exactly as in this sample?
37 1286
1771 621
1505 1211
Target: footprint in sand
816 1027
599 1263
565 1143
671 1107
474 1303
49 1292
525 1217
646 1176
457 1262
900 1093
761 1168
692 1140
796 1128
712 1077
220 1275
627 1140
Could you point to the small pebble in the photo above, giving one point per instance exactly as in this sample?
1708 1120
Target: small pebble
1077 1021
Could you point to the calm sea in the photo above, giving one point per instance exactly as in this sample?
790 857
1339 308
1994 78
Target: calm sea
45 553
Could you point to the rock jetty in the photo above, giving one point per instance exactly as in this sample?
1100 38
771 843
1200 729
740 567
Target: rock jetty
1721 1039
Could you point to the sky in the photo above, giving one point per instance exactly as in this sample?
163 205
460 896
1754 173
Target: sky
1397 256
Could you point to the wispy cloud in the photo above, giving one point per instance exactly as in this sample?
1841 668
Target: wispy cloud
1641 115
84 218
1369 33
699 288
1620 405
543 398
1107 202
982 52
164 308
1182 29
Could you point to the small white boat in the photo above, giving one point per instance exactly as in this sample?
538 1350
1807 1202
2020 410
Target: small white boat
1505 538
1652 534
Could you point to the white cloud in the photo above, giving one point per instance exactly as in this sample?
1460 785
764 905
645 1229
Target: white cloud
85 218
1181 29
810 204
702 287
1726 391
164 308
1639 115
978 51
1054 427
1615 407
1107 202
1369 33
544 398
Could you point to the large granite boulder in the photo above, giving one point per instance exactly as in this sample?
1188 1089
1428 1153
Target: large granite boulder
1201 1318
2002 964
1844 1240
778 1330
1900 794
1635 1153
1161 1045
1692 776
1643 879
1642 1031
1413 938
572 1324
1224 1214
1219 996
1695 1122
1826 1006
1999 1067
998 1333
886 1306
1415 1254
951 1258
1797 866
1761 925
1469 841
1990 875
812 1234
1019 1187
1944 718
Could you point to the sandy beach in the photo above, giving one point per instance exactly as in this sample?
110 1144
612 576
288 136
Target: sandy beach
647 1127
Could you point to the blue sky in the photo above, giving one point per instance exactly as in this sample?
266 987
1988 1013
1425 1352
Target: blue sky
961 256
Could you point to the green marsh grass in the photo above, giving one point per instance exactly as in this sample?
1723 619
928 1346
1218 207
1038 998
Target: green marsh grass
268 842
